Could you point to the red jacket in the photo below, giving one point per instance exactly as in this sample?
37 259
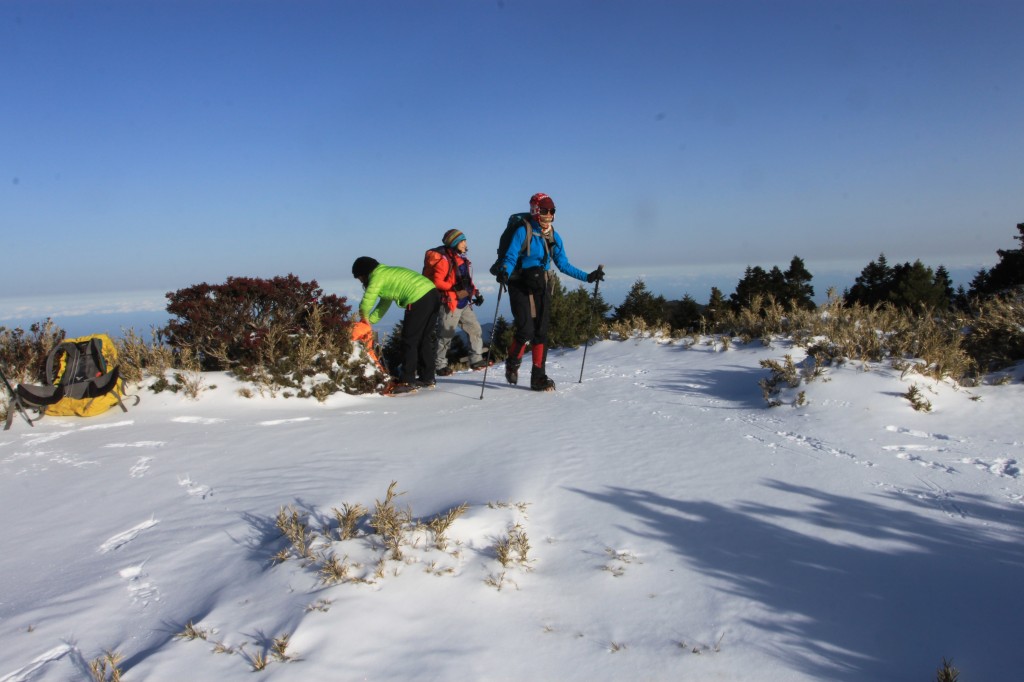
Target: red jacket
441 265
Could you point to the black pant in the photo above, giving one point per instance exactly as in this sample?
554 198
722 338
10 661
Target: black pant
419 345
530 318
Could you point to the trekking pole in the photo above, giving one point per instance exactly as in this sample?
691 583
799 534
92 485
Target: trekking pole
15 403
490 345
600 268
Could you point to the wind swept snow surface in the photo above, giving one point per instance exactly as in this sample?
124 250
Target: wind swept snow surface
656 521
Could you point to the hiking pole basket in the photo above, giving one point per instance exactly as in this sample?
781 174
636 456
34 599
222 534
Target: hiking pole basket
582 364
490 345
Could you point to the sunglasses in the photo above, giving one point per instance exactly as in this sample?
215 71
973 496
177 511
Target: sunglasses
545 211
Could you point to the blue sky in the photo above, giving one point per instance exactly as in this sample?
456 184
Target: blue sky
182 142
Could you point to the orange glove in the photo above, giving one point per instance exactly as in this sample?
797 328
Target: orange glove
362 331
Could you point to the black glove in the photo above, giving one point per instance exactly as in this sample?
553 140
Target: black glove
596 276
502 276
478 300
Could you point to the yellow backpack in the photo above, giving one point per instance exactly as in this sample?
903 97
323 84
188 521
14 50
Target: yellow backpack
82 378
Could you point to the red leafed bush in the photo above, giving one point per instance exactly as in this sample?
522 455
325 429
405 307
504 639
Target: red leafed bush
232 325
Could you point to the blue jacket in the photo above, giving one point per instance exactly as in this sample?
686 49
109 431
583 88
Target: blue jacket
538 255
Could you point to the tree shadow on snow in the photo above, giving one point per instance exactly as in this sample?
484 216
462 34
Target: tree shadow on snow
896 588
736 384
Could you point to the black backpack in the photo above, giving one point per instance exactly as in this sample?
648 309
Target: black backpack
515 221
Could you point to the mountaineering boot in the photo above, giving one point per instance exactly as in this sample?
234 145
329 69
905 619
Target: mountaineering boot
539 381
512 370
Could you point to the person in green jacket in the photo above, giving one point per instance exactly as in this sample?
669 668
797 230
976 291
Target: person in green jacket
384 284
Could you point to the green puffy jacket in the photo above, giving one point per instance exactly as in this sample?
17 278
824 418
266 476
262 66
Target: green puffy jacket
392 283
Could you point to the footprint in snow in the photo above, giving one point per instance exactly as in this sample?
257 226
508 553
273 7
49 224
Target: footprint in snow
197 420
275 422
195 489
114 425
140 589
138 444
914 433
1001 466
45 438
127 536
140 468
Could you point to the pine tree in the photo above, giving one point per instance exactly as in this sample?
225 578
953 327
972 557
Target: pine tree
391 355
798 290
944 282
641 303
575 316
1006 275
915 288
686 314
716 309
755 282
873 285
501 338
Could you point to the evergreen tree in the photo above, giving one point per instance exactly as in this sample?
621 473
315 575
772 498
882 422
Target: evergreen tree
716 308
873 285
1006 275
391 355
686 314
798 290
575 316
641 303
944 282
915 288
501 338
755 282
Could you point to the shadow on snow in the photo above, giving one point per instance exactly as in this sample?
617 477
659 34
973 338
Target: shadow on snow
856 610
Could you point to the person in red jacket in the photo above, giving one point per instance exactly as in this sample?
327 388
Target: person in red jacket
452 273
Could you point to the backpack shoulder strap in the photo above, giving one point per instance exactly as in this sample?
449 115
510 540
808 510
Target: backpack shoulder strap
529 237
96 354
71 352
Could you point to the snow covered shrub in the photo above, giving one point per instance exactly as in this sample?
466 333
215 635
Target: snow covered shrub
783 375
917 400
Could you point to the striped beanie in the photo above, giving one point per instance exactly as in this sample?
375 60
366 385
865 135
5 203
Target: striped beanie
452 238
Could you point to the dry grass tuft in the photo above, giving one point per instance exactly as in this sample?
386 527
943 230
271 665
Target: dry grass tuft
348 518
106 668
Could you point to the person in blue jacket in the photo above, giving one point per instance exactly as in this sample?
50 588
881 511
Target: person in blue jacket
534 247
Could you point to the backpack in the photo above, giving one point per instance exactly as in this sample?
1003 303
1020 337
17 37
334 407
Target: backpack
514 222
82 378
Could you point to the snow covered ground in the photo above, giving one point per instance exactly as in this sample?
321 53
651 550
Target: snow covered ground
677 529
